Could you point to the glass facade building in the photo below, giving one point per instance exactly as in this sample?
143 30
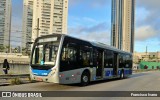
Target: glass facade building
122 32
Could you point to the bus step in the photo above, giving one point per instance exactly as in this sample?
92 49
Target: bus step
98 77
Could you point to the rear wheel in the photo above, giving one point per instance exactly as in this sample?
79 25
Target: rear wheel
85 79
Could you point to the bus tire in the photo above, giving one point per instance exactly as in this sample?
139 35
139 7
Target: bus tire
85 78
122 75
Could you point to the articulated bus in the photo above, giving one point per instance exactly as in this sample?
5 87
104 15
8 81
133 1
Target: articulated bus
63 59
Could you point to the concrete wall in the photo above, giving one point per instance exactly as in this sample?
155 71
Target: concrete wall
14 58
16 68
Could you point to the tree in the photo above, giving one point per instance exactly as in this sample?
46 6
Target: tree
15 50
2 48
7 48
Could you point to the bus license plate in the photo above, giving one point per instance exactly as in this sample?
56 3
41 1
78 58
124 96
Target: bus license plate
39 79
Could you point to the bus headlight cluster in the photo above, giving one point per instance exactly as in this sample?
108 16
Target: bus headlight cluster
44 73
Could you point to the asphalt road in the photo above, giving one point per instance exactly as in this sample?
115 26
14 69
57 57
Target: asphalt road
148 81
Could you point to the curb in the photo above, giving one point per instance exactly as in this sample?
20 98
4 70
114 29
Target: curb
5 84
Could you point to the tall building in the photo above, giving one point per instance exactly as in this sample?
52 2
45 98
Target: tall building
5 22
42 17
123 20
27 22
49 16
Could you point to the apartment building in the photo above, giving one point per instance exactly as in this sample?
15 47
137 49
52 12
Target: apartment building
46 17
27 22
5 22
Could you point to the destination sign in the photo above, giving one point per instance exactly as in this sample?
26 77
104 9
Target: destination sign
48 39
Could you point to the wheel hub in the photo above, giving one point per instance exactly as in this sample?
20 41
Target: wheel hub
85 78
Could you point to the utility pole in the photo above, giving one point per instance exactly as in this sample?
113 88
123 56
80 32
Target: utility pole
146 51
37 28
9 46
9 43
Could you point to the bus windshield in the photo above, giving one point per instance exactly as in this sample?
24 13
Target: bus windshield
44 54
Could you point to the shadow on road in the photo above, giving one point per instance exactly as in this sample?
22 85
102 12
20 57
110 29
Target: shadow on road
110 80
96 82
52 86
138 75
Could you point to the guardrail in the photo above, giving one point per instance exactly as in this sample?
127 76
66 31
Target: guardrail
14 79
145 70
16 62
14 76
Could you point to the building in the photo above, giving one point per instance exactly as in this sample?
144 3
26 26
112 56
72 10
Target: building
149 59
49 16
42 17
5 23
146 56
122 23
27 22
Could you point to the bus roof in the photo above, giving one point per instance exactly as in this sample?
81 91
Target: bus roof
96 44
105 46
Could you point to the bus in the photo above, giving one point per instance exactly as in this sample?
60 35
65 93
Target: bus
64 59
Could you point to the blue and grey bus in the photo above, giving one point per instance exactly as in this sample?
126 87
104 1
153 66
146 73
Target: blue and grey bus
63 59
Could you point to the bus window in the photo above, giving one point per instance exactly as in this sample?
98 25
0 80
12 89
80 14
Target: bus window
69 53
50 52
121 61
64 54
128 61
45 54
38 54
68 57
108 59
95 58
72 54
85 56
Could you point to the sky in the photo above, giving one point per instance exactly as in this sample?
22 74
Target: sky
91 20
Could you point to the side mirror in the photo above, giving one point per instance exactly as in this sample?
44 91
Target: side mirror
30 42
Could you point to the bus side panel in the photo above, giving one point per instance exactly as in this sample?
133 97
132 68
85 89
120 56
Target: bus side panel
93 74
74 76
71 76
127 71
108 73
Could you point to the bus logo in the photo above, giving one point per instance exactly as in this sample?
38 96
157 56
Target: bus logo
6 94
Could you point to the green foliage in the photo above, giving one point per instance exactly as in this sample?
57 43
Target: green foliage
2 48
15 81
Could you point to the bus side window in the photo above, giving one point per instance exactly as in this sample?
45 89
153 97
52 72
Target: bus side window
85 56
37 56
72 54
108 59
121 61
64 54
128 62
69 53
94 57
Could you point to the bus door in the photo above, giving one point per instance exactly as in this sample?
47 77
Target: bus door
100 64
115 65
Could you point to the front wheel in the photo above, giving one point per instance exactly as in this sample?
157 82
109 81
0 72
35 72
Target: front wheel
85 79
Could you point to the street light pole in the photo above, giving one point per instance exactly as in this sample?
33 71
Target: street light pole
37 28
9 46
